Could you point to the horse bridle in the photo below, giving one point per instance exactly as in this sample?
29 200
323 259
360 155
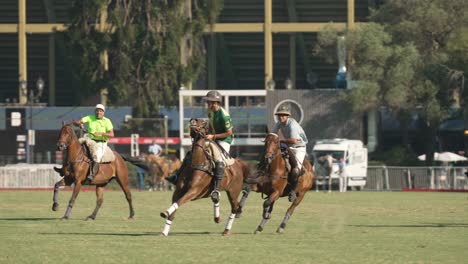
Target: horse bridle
269 157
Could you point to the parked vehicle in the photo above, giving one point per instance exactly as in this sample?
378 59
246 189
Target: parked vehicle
355 157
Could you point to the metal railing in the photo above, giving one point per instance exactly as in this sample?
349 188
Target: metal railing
390 178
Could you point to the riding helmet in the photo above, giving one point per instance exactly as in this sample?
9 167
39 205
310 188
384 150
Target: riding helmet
283 110
213 96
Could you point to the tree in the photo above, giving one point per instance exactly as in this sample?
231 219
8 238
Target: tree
402 60
153 47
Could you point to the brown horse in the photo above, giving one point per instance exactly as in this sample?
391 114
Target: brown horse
161 167
77 167
272 180
195 180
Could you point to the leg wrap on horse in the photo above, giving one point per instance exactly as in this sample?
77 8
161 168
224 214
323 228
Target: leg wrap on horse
218 178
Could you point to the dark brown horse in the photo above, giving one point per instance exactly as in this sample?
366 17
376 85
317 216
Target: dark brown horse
195 180
77 167
272 180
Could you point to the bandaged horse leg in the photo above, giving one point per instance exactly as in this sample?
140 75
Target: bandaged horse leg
167 228
267 209
216 212
230 221
245 194
169 210
218 178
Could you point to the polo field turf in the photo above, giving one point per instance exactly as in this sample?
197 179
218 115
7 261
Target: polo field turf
352 227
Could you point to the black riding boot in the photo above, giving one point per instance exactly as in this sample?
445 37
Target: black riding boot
93 171
218 178
59 171
174 177
293 179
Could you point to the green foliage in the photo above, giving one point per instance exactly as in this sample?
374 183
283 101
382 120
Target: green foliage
411 57
153 48
397 156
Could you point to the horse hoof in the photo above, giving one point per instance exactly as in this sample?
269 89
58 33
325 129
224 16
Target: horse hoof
164 215
226 232
280 230
239 215
64 218
162 234
257 232
55 207
217 220
90 218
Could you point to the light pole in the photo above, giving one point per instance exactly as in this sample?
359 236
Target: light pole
32 100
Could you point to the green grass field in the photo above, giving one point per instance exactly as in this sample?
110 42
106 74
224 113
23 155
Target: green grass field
353 227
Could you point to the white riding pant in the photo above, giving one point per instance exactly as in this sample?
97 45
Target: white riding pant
100 149
226 146
299 153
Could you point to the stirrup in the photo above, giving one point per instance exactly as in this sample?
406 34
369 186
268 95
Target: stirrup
90 177
215 194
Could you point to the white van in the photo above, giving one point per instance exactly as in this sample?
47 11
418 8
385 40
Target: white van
354 154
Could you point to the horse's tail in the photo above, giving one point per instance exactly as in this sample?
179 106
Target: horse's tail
137 162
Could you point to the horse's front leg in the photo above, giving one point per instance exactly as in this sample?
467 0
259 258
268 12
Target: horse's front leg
234 209
267 209
55 205
176 203
99 200
76 191
290 211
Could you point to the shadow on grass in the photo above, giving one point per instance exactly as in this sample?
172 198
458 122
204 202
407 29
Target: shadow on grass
143 234
420 225
28 219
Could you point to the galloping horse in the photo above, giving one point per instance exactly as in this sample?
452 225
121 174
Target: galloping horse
79 164
195 180
272 180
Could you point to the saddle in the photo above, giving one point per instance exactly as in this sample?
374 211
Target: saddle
91 146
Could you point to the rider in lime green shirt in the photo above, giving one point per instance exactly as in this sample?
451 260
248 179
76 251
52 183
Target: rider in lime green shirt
100 129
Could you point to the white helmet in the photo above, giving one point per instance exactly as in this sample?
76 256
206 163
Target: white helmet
100 106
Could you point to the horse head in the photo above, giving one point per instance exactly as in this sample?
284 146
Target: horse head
66 136
272 147
198 128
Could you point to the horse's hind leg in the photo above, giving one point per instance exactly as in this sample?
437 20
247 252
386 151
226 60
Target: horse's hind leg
55 205
99 200
245 194
290 211
123 182
76 191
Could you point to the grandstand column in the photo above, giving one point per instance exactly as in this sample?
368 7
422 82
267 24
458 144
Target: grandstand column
22 62
268 43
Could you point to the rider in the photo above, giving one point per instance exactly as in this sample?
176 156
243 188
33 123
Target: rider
221 132
295 138
100 129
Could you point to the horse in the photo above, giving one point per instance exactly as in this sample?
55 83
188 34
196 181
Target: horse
77 166
272 180
161 167
195 180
